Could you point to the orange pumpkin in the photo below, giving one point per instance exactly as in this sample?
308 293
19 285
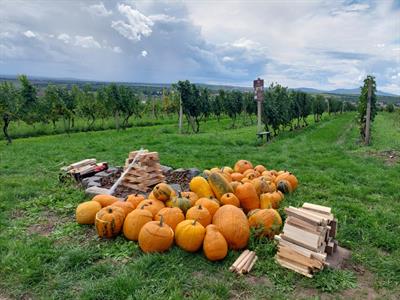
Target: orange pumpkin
155 236
199 213
227 170
237 176
232 223
263 186
86 212
105 200
135 199
135 221
192 196
271 200
189 235
211 204
154 206
151 196
230 198
163 192
215 246
289 177
172 216
260 168
268 219
235 184
109 221
248 197
126 206
242 165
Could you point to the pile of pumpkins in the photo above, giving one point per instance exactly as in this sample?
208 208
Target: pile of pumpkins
212 215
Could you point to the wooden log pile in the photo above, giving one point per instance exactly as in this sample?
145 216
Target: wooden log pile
84 168
145 173
244 263
307 238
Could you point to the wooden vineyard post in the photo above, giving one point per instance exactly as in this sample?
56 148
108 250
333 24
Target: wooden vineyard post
368 116
258 86
180 115
259 126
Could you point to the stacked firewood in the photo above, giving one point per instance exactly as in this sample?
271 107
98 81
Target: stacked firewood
244 263
145 173
307 237
84 168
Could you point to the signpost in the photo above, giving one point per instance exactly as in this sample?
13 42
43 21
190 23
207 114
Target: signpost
258 85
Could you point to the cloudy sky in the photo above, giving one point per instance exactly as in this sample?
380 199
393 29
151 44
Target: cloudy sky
320 44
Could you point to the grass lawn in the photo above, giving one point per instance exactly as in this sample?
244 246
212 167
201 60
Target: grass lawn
45 254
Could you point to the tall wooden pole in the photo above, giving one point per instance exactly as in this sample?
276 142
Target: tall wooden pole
180 115
259 107
368 117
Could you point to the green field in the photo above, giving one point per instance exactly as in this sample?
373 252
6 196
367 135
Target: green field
45 254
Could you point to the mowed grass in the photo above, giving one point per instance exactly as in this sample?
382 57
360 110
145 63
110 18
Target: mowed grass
45 254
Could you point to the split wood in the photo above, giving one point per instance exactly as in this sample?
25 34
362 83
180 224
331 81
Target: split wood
244 263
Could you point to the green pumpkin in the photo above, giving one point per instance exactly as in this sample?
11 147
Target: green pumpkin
284 186
181 202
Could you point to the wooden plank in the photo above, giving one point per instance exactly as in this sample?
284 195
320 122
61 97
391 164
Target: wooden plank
292 211
135 187
318 208
300 243
306 252
82 163
334 225
305 237
324 217
286 252
329 248
293 266
305 225
238 260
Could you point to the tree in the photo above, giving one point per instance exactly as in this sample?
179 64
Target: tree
233 105
362 104
51 106
87 105
217 104
129 104
114 102
28 107
249 106
318 107
9 106
390 108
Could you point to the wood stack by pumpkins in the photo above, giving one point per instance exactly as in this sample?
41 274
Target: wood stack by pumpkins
212 215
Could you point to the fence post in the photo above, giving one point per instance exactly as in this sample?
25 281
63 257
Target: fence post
368 117
180 115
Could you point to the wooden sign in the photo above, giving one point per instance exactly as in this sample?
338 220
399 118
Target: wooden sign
258 86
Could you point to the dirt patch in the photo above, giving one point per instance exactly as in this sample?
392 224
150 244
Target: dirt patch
390 157
254 280
47 222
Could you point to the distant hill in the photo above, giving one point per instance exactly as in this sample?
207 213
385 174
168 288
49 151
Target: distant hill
355 91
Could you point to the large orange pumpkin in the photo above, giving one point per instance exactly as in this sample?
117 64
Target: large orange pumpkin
155 236
126 206
135 199
211 204
215 246
242 165
105 200
248 197
230 198
232 223
109 221
172 216
86 212
199 213
154 206
268 219
135 221
189 235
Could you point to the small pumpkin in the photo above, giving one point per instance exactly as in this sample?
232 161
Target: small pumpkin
151 196
284 186
235 184
263 186
126 206
105 200
219 184
163 192
199 213
172 216
215 246
135 221
109 221
248 197
268 219
86 212
135 199
212 204
181 202
237 176
232 223
289 177
242 165
230 198
154 206
189 235
271 200
260 168
192 196
155 236
200 186
227 170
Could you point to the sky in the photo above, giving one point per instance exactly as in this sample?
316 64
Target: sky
318 44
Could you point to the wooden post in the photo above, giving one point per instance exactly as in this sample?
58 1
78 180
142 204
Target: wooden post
259 125
180 115
368 117
258 86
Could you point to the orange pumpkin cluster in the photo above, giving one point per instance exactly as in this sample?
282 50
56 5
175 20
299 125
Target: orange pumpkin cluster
210 216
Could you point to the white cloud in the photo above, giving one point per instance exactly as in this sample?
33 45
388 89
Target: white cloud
144 53
227 59
86 42
138 24
64 37
117 49
29 34
98 10
163 18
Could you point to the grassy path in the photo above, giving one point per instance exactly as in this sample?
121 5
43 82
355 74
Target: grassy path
44 254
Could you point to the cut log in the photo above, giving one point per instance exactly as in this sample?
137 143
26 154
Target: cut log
306 252
318 208
252 264
288 253
294 266
292 211
244 261
304 237
238 260
305 225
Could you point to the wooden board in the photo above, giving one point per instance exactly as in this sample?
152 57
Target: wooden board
305 237
318 208
324 217
288 253
306 252
293 211
305 225
293 266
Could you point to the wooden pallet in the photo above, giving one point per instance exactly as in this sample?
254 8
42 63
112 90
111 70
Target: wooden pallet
145 173
307 238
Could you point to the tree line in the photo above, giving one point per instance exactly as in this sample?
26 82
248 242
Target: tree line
282 108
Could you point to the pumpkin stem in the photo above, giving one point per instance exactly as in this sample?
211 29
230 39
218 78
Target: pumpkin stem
110 210
200 206
142 207
161 221
194 222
